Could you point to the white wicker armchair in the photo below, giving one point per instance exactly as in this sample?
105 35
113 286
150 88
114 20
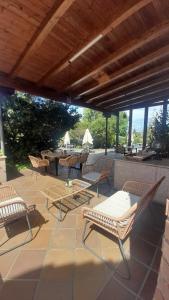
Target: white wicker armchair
13 207
119 213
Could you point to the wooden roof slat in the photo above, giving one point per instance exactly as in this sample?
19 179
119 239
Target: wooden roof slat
142 62
133 45
57 11
134 91
125 13
136 79
140 96
143 102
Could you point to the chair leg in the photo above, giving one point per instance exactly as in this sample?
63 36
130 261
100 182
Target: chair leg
97 190
23 243
124 258
84 237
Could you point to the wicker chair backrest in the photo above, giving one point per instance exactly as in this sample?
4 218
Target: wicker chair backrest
34 161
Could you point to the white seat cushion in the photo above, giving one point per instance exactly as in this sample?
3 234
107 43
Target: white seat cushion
12 208
92 176
118 204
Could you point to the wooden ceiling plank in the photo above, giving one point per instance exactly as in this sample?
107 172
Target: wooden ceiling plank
142 62
42 32
159 70
141 103
127 11
128 100
155 32
134 91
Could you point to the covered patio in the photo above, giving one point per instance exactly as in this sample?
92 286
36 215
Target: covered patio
110 56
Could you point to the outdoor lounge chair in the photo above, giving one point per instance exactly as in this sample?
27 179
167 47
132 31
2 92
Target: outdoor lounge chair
13 207
118 214
69 162
38 162
97 172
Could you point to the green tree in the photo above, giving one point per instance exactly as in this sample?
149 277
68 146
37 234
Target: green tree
158 131
32 124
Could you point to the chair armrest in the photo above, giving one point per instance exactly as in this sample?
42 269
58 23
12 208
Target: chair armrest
7 192
137 187
43 162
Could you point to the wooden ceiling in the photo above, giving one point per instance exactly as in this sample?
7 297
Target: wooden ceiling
107 55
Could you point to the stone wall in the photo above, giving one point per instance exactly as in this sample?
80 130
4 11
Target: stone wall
3 176
128 170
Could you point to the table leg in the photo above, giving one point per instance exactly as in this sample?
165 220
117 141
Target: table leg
56 165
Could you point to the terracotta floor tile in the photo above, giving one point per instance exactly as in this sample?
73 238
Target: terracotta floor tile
150 285
28 265
87 289
68 222
89 266
40 239
18 290
112 256
138 272
142 250
92 240
157 261
59 265
64 238
14 240
6 261
52 290
113 290
150 234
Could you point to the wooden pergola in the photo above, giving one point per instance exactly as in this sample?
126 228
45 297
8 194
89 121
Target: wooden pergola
109 55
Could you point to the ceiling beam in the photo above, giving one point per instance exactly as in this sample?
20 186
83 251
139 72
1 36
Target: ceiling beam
125 12
148 36
156 71
141 96
56 12
158 100
26 86
142 62
134 91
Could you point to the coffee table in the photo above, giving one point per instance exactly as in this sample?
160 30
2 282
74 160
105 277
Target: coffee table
58 192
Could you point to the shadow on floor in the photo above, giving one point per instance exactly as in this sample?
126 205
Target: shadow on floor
76 274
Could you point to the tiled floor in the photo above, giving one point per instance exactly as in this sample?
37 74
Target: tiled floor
55 265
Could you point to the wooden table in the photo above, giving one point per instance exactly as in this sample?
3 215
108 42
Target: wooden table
58 192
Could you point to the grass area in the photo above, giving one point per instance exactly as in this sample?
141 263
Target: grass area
22 165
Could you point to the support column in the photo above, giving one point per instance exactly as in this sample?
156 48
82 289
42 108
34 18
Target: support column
1 128
106 135
164 114
117 130
130 127
106 115
145 127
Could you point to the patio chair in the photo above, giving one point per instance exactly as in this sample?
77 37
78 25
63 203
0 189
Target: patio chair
118 214
13 207
44 154
38 162
97 172
69 162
